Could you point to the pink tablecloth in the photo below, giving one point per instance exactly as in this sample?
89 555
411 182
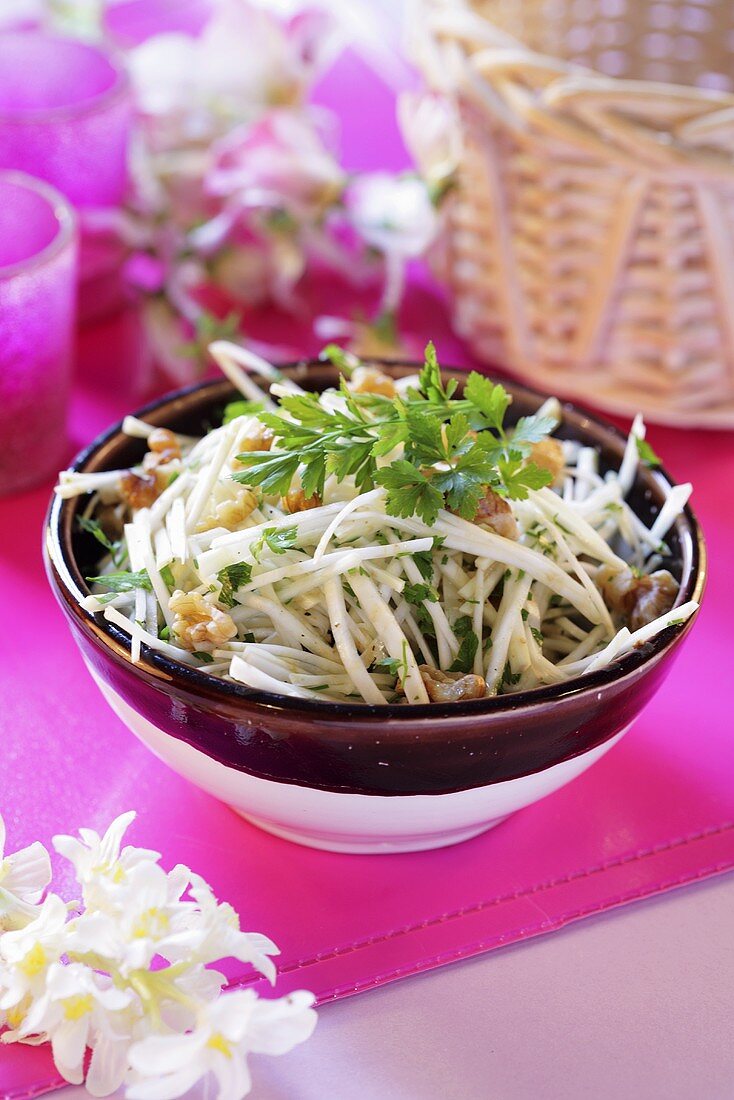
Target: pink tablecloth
655 813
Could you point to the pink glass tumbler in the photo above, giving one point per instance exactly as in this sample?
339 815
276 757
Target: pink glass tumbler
38 269
65 116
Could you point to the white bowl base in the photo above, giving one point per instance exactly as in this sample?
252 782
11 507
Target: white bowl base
342 821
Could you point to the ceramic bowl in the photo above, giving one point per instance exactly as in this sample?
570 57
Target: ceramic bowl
358 778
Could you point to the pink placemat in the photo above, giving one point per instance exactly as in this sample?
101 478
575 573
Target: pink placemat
656 813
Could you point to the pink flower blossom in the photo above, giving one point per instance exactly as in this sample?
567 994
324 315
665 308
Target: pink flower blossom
281 162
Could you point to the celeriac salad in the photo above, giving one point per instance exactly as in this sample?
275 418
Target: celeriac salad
388 541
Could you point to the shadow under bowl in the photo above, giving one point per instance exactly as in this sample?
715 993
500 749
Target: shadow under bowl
360 778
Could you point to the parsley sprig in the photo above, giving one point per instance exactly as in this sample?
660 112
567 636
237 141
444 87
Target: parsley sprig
453 447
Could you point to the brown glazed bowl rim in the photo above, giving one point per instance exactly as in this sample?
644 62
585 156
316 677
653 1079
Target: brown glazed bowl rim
70 585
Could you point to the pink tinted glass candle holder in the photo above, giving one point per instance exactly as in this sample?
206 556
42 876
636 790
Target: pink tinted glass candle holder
38 275
130 22
65 116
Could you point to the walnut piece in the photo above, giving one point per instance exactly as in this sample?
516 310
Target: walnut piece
451 687
163 448
199 625
548 454
261 441
638 599
139 490
297 501
371 380
230 513
494 513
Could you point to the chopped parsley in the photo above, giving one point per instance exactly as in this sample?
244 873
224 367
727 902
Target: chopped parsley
453 447
241 408
123 582
231 579
278 539
645 453
417 593
167 577
93 527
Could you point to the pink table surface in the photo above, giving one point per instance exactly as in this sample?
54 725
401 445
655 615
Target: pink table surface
656 813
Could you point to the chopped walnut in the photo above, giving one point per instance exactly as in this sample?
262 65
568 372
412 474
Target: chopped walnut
371 380
163 448
638 599
451 687
494 513
199 625
230 513
548 454
163 441
261 441
139 490
297 501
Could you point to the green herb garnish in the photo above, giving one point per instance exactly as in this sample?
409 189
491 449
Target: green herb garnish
93 527
279 539
123 582
645 453
467 651
241 408
453 447
167 576
231 579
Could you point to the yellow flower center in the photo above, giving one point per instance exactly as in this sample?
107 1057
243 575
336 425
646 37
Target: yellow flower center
14 1016
4 868
34 961
152 922
76 1007
218 1042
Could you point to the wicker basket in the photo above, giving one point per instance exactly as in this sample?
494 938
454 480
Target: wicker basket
590 243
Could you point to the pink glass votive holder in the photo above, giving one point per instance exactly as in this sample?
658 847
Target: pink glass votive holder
65 116
38 273
128 23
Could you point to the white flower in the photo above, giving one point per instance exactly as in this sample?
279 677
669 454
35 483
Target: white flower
222 938
97 860
228 1030
245 60
136 919
129 979
431 130
24 876
77 1009
393 214
27 953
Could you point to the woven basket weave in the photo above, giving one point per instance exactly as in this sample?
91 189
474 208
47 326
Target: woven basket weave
590 242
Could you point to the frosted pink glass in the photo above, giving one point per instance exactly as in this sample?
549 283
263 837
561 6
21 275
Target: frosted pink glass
65 116
131 22
38 261
65 112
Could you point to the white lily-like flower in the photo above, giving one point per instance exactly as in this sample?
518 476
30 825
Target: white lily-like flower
393 214
136 919
431 131
80 1008
24 876
128 980
245 60
221 935
99 860
228 1030
27 953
